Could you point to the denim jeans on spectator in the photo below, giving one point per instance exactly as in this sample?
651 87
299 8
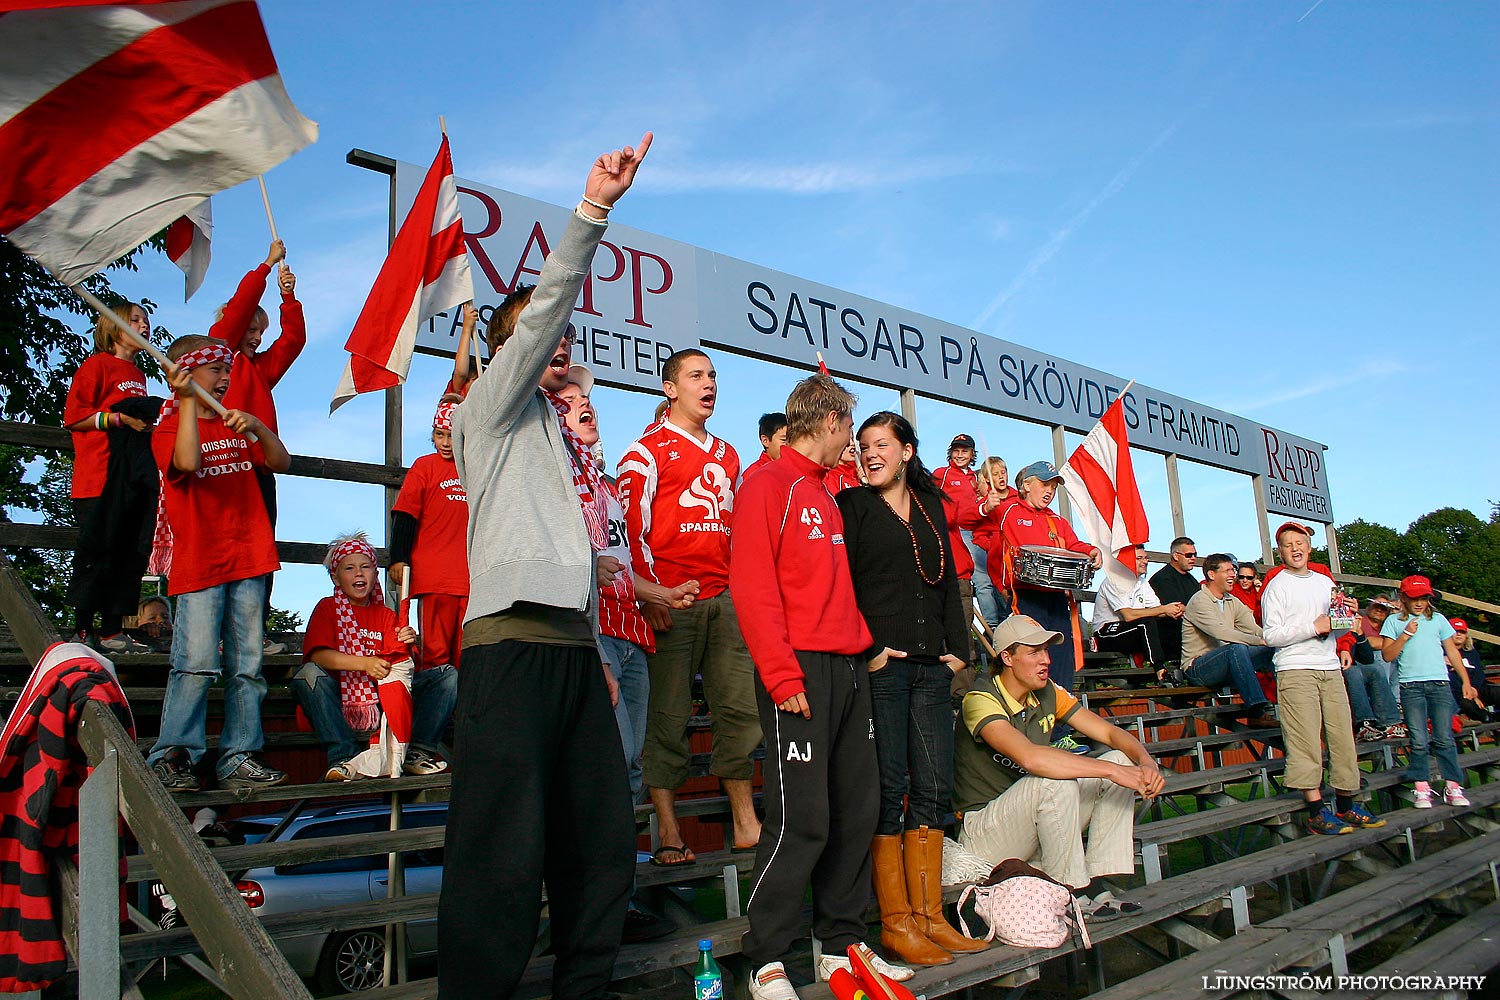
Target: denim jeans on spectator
1233 663
1370 696
433 693
913 743
1423 702
992 604
231 614
631 673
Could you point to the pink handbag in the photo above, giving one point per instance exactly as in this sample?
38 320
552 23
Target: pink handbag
1025 907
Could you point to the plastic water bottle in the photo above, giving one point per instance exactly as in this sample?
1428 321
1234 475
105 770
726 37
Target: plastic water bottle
708 981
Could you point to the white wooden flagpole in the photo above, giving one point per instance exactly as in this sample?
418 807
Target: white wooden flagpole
267 200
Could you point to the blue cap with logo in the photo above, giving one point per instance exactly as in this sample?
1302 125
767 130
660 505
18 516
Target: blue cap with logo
1045 471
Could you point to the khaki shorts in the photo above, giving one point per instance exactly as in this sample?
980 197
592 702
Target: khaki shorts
1314 706
704 639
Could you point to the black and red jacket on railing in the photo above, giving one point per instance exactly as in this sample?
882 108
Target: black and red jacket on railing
789 573
41 770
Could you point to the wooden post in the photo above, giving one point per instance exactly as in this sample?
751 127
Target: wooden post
1333 550
1174 491
1258 483
97 949
1059 457
909 406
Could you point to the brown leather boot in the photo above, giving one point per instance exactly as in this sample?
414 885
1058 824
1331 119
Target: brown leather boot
898 931
924 887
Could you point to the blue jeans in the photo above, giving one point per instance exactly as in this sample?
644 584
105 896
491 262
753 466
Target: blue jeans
992 604
231 613
1370 696
913 716
1425 701
629 664
433 694
1234 663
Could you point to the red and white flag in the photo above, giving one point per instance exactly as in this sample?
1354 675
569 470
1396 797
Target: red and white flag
426 272
1100 478
118 119
187 245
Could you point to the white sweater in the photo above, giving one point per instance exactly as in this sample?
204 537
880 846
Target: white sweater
1288 606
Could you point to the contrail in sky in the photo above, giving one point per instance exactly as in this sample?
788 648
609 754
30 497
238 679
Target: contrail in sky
1309 11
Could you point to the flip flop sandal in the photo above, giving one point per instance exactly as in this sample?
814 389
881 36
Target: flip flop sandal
1096 911
681 850
1125 907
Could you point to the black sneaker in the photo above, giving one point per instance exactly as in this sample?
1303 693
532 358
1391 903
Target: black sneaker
642 926
252 774
175 771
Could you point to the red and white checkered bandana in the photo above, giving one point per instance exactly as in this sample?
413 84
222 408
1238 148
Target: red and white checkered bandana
204 355
442 420
585 478
160 561
357 695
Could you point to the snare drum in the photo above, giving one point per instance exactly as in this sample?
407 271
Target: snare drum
1054 569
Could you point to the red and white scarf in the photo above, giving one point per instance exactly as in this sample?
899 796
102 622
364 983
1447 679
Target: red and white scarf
585 478
160 563
357 694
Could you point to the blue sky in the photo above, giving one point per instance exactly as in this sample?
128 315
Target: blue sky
1285 210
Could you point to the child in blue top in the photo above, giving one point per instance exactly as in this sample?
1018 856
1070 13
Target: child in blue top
1419 640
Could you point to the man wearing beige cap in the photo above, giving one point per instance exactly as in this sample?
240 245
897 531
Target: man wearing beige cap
1022 798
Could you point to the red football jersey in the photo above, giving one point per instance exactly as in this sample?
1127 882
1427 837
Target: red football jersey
432 494
220 530
101 382
678 494
619 613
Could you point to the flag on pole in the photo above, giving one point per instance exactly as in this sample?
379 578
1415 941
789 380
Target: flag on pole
187 244
116 119
1100 479
425 273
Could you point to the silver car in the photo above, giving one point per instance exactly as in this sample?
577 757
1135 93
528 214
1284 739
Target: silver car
341 961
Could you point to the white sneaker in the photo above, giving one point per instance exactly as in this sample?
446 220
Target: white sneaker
1421 798
831 963
342 772
1453 795
770 983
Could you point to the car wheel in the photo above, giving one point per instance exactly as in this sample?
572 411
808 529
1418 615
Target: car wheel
353 962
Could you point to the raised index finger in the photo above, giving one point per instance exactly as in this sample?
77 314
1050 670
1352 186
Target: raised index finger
639 153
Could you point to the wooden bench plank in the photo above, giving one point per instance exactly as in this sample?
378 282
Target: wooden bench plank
1466 948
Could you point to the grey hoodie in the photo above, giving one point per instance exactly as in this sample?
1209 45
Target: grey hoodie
527 539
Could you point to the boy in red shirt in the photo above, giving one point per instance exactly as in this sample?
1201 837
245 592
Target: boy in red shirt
677 486
772 430
792 588
241 323
222 549
354 637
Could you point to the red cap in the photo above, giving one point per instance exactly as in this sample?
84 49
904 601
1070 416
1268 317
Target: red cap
1416 586
1293 526
1459 625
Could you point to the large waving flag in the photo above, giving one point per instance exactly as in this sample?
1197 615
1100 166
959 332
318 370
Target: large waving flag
1100 478
116 119
188 245
426 272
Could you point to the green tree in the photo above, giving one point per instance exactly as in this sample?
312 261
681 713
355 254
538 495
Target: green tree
1367 549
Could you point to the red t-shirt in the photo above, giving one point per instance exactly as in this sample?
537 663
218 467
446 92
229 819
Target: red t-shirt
220 530
101 382
756 466
1249 598
1022 524
377 623
432 494
678 494
462 391
251 379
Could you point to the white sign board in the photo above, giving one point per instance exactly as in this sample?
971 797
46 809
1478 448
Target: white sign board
648 296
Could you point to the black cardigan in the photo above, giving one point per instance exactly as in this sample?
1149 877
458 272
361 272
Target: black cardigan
902 610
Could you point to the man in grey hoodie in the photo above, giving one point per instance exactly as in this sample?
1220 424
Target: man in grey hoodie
539 785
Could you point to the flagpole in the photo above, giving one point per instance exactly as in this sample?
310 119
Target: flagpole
267 200
474 343
203 394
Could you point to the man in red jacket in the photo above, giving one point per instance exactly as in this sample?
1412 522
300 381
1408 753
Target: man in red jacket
789 577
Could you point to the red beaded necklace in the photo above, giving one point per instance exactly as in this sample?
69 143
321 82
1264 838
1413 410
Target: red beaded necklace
916 550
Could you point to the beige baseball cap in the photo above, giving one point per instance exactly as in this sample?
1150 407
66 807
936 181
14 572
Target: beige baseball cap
1025 630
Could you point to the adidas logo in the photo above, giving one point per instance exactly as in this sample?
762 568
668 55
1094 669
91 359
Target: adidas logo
815 534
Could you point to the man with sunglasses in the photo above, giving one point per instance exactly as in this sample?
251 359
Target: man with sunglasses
1175 583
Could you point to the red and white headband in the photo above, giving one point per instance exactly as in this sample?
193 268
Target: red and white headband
205 355
348 547
442 420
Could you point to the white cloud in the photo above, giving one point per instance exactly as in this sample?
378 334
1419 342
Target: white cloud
1378 368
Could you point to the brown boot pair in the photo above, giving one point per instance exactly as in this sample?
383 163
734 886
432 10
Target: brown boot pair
909 888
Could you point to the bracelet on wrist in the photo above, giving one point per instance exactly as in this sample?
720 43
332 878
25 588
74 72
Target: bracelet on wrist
599 205
589 218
